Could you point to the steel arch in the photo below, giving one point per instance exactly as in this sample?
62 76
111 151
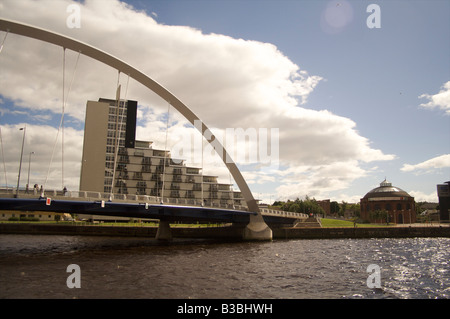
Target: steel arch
257 222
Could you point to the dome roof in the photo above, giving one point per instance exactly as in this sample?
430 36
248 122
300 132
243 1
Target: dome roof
386 190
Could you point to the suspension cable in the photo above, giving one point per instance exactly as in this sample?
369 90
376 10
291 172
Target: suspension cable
1 140
62 118
117 132
61 123
232 191
1 46
65 98
3 157
203 200
165 152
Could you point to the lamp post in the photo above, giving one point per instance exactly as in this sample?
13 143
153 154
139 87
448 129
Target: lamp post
29 169
21 155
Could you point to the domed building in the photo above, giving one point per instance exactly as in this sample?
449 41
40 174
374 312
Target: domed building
389 202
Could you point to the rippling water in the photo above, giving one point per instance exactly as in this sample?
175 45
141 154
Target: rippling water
35 267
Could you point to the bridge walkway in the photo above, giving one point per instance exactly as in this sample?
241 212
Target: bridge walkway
139 206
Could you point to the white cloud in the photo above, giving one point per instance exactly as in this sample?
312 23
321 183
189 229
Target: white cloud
442 161
318 181
439 100
227 82
41 139
423 197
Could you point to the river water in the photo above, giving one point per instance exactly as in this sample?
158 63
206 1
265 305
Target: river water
35 266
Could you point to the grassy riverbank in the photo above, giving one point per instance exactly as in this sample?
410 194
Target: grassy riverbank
328 222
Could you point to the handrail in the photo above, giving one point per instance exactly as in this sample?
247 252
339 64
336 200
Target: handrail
95 196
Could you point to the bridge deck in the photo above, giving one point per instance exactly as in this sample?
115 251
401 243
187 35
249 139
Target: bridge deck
132 210
137 206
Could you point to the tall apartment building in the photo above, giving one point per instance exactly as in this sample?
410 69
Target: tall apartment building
109 141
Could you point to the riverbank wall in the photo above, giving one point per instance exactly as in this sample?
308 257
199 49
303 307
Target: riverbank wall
223 232
361 232
117 231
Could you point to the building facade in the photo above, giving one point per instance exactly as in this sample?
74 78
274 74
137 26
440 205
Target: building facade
388 203
443 191
13 215
115 162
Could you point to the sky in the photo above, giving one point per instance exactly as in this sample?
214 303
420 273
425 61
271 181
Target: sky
351 92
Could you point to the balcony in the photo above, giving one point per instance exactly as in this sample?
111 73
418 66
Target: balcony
190 179
207 179
177 178
190 194
177 171
137 175
156 177
192 171
146 169
124 159
141 184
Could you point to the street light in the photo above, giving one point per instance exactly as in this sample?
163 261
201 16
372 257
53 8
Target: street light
29 168
21 155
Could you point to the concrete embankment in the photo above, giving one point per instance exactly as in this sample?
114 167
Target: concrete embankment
362 232
223 232
125 231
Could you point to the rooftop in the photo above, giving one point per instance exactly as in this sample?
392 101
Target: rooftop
386 190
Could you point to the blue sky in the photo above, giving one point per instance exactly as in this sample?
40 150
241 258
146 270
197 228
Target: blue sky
374 78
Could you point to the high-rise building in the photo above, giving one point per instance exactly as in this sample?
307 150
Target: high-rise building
115 162
443 191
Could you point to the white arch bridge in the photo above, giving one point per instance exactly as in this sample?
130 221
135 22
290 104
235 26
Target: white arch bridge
256 228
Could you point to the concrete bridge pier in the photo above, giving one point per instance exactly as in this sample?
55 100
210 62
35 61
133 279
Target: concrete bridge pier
257 229
164 232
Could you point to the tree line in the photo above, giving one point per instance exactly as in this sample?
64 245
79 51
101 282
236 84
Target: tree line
306 206
311 206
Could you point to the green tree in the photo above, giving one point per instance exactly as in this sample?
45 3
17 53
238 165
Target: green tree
355 209
343 208
294 208
307 206
334 207
380 215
